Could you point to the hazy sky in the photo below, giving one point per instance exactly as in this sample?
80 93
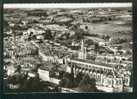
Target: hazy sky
67 5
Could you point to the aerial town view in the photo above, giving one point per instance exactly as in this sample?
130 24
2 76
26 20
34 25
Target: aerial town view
68 50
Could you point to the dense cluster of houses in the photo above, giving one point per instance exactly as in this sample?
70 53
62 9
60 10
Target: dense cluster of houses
63 36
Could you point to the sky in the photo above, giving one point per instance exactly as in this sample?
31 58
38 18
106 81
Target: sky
67 5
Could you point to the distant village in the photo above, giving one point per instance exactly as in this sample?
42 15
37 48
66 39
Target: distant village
68 50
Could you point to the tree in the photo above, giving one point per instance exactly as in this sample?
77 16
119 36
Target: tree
79 34
87 85
48 35
33 83
18 69
79 77
96 48
67 81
